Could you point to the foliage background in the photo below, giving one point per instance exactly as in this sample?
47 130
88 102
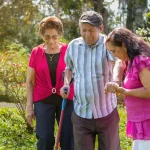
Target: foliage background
14 136
19 21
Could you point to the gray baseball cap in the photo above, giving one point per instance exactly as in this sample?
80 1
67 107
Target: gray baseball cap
92 18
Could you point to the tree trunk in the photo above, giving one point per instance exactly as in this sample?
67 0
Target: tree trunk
57 9
135 14
98 7
130 15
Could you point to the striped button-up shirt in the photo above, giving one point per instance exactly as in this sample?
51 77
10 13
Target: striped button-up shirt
92 68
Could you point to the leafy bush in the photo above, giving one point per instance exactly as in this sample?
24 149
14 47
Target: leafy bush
13 68
13 133
15 136
145 32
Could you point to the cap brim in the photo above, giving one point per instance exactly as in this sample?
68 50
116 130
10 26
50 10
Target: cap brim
86 21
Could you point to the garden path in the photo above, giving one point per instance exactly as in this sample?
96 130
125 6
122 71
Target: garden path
10 105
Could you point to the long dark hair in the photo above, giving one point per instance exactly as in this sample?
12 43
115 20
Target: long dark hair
134 44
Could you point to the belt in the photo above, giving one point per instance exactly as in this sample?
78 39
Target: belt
53 90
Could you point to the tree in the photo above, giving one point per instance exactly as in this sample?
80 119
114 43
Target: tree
19 19
145 32
100 7
70 14
17 22
135 10
73 10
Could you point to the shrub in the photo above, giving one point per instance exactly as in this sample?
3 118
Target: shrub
13 131
15 136
145 32
13 68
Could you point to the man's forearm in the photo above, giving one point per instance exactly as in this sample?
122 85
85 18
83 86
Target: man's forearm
118 71
67 77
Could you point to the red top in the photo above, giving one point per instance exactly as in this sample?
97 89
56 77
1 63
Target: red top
43 85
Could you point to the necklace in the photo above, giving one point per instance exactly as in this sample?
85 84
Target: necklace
51 57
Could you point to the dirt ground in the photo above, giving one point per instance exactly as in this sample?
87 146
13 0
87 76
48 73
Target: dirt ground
10 105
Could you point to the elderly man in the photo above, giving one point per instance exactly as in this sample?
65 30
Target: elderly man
95 112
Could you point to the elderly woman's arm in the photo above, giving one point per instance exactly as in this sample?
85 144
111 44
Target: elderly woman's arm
29 89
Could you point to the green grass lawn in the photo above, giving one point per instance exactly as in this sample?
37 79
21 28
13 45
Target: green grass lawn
126 143
13 134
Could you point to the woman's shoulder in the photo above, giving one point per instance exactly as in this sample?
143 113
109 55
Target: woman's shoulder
38 48
140 59
64 45
141 62
37 51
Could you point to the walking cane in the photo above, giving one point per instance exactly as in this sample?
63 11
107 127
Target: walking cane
61 119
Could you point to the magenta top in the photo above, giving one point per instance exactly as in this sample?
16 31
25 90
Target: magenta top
138 109
43 85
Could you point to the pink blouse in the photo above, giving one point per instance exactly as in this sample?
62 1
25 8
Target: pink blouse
43 86
138 109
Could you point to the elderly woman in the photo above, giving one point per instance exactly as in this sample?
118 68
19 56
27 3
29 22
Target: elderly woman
44 80
135 52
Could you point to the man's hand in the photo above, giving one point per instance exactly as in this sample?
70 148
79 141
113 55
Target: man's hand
111 87
30 114
63 89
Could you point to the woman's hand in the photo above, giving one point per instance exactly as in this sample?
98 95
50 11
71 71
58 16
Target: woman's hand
121 90
113 87
30 114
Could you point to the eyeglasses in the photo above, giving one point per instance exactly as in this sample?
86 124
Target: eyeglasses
48 37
